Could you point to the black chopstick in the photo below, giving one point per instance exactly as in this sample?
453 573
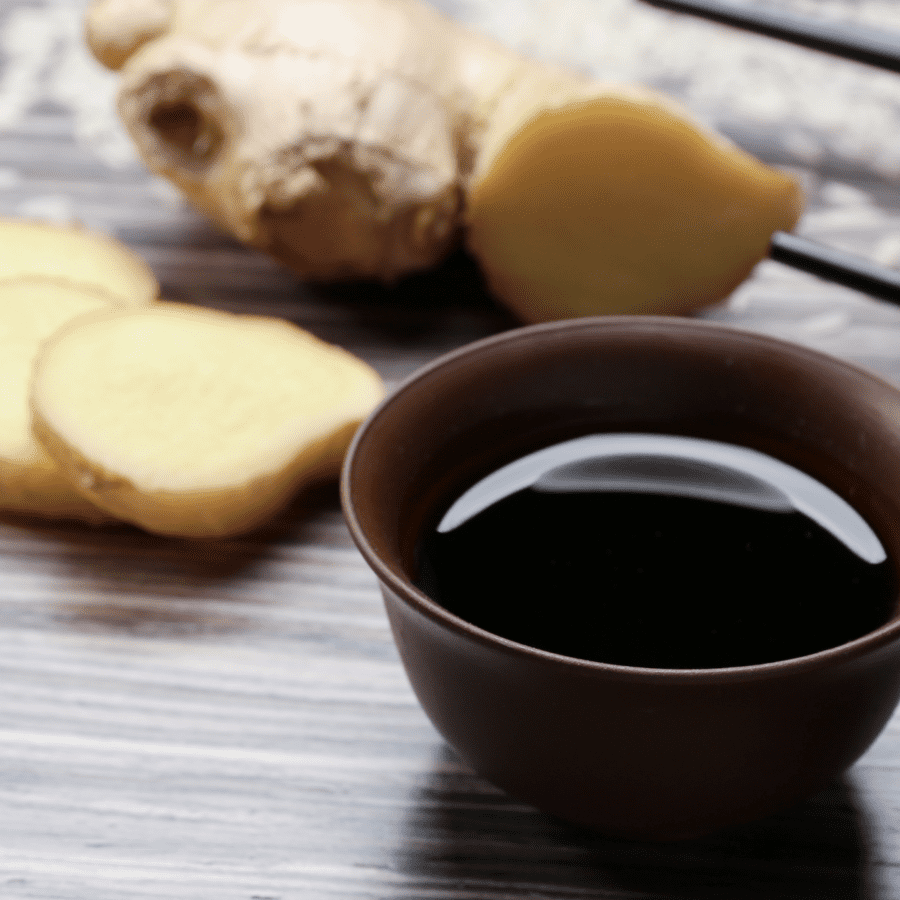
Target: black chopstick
837 266
850 41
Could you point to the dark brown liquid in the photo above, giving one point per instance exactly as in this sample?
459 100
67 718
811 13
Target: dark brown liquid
662 578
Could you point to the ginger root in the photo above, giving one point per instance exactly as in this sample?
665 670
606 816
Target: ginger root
356 138
193 422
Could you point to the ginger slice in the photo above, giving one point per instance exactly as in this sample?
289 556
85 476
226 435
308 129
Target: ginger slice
30 482
618 204
193 422
75 256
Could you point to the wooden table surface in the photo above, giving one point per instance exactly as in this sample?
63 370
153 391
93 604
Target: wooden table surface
229 720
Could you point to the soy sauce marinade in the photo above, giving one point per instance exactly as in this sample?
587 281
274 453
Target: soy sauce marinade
647 550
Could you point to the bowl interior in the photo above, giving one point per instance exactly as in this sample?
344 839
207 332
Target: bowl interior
485 405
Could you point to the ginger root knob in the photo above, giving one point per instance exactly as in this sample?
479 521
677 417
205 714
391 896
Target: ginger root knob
363 138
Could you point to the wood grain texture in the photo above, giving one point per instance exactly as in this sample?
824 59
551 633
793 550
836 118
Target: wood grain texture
229 720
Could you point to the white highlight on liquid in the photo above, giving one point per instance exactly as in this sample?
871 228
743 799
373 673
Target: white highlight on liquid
665 464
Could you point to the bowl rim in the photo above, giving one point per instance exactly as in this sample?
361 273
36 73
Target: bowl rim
413 597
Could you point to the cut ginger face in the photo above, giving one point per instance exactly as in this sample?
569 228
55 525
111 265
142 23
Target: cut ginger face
193 422
620 205
30 482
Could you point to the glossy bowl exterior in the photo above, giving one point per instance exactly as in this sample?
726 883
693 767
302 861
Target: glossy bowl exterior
646 753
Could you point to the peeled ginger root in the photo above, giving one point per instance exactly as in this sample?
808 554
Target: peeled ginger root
193 422
618 204
30 482
75 256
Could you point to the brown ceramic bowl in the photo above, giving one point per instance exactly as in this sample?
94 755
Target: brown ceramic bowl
635 752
